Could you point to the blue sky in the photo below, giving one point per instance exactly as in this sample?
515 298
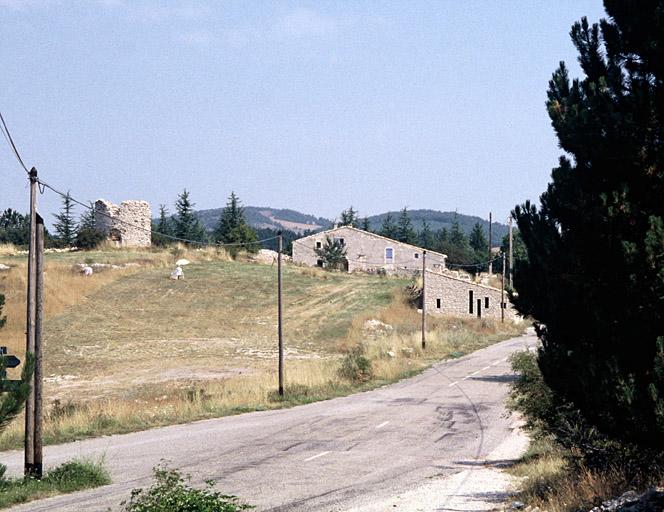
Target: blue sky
312 106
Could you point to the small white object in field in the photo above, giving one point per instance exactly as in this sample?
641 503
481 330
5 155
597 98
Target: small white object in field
182 263
177 273
87 271
390 353
4 267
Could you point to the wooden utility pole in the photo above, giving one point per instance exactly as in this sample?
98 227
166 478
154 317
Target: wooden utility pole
37 390
511 280
424 299
490 253
279 315
29 454
502 293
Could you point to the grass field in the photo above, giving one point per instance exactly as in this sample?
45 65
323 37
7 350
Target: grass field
129 349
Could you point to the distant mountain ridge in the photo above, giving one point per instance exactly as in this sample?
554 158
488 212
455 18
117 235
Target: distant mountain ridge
264 217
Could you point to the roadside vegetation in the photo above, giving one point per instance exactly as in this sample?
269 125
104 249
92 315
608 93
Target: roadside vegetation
129 349
593 273
71 476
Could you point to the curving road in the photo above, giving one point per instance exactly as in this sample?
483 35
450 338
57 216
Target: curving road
326 456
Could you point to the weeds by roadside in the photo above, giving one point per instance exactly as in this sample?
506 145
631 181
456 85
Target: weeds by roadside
71 476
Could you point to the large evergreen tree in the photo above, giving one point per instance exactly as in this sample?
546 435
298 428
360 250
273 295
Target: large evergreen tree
186 223
163 228
233 228
349 218
477 240
389 229
405 231
594 276
65 226
14 228
87 234
426 236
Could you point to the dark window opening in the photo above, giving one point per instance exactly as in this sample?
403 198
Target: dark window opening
417 255
319 245
479 308
319 263
438 301
470 301
486 302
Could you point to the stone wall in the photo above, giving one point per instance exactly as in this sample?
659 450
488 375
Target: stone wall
367 252
449 295
128 224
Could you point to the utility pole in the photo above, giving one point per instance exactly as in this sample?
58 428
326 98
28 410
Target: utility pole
29 454
279 315
37 390
511 257
490 254
424 299
502 293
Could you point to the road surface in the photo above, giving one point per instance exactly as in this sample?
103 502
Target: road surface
327 456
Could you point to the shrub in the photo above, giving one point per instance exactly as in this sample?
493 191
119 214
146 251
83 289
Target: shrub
355 367
78 474
170 493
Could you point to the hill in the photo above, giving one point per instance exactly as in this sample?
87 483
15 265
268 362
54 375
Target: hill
263 217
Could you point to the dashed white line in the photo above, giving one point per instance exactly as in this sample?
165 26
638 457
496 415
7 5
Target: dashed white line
316 456
382 424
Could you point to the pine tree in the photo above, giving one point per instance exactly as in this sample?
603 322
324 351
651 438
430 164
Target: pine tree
389 229
186 223
233 228
477 240
333 254
163 228
426 236
365 224
14 228
594 275
349 218
65 227
405 231
87 235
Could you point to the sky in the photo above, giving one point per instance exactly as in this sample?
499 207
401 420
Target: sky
312 106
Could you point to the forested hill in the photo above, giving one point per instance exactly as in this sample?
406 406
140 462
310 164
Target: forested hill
439 220
273 218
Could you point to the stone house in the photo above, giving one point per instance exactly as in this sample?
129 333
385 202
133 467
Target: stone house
128 224
447 294
367 252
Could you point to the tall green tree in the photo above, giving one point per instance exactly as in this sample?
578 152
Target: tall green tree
333 254
233 228
477 240
389 228
349 218
163 228
405 231
365 224
594 275
65 225
14 228
186 224
87 234
426 236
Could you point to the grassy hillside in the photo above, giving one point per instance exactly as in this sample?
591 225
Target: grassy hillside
128 348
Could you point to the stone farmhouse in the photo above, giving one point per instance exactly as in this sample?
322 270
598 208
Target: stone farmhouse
128 224
367 252
446 294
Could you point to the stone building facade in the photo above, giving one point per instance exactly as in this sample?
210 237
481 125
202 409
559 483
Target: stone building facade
367 252
449 295
128 224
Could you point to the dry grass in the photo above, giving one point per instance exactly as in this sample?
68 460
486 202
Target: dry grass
130 349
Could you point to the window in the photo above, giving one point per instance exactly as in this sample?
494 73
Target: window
417 255
319 263
389 254
319 245
340 240
438 301
479 308
470 301
486 302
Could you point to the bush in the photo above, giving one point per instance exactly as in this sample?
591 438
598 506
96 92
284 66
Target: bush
355 367
75 474
171 493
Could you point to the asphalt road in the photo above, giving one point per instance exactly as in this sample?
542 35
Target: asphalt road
327 456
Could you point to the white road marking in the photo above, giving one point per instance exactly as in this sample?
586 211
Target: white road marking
382 424
454 383
485 368
316 456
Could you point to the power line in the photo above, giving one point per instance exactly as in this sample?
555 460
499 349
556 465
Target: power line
10 141
88 206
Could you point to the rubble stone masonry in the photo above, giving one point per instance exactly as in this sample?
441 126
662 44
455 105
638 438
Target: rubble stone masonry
127 224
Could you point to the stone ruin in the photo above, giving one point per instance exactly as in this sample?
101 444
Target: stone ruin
128 224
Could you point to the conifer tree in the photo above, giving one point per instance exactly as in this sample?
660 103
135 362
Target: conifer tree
389 229
594 275
333 254
349 218
186 223
163 228
405 231
365 224
426 237
87 234
233 228
65 227
477 240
